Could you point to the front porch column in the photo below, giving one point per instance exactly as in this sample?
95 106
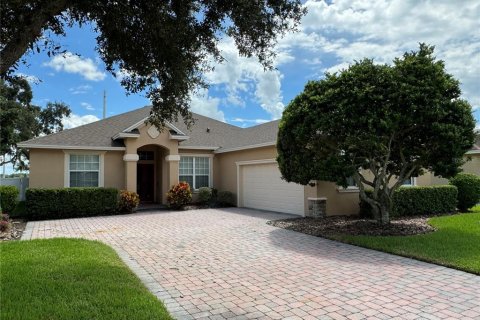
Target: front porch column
131 171
172 164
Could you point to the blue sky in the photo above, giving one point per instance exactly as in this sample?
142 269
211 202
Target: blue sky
332 35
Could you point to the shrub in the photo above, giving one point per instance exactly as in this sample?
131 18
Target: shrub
204 195
225 198
4 225
128 201
468 190
179 195
9 195
69 202
411 201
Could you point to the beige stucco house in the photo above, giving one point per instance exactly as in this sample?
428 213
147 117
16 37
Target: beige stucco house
123 152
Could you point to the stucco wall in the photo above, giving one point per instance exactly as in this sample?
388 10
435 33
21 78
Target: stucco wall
471 166
46 168
338 203
114 168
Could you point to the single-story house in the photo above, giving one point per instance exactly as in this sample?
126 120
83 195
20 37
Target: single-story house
124 152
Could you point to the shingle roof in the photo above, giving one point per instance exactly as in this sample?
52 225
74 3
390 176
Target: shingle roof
219 134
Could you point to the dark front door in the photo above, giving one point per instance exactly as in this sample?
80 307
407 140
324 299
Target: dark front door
145 181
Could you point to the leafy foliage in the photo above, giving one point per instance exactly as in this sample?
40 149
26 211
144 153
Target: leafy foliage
379 124
414 201
20 120
128 201
468 190
204 195
225 198
9 195
161 47
69 202
179 195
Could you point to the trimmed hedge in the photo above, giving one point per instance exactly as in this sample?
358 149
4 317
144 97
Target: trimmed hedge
468 186
225 199
70 202
9 195
413 201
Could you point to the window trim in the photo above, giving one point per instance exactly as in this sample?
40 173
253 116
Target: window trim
210 167
413 182
101 167
348 189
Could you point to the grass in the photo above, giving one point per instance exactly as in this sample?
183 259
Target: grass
71 279
455 243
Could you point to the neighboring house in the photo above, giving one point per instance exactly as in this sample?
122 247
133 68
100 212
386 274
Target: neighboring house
123 152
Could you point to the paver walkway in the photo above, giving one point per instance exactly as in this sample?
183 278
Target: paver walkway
217 264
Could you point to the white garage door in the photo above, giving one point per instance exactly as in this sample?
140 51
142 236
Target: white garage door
262 188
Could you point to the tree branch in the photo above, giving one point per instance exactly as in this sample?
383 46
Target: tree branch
26 36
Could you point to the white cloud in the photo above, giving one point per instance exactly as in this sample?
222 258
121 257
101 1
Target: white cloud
87 106
80 89
251 121
76 120
350 30
205 105
30 78
72 63
241 76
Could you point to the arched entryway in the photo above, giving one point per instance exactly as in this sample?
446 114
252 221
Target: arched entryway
151 173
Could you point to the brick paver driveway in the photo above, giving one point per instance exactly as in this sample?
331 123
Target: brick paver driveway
217 264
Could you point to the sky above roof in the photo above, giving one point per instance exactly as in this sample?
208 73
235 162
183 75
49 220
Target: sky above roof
332 35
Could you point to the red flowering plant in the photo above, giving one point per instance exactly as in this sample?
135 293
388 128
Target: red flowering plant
4 222
128 201
179 195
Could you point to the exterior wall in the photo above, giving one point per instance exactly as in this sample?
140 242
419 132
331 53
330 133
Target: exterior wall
226 169
471 166
46 168
338 203
114 170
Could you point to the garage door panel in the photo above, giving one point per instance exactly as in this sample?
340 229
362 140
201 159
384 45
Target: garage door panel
263 188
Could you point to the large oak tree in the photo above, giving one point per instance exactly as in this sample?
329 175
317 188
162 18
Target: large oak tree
21 120
161 46
380 124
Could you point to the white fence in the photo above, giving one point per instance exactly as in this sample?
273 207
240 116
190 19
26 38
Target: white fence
20 183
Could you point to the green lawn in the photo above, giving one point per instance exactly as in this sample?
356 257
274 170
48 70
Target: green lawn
456 243
71 279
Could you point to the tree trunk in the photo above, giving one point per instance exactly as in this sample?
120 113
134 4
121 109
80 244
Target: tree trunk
384 215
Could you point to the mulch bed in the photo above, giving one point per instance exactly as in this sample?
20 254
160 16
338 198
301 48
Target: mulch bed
343 225
15 231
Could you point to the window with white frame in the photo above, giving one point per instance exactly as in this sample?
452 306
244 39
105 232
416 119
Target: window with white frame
351 183
84 170
195 171
409 182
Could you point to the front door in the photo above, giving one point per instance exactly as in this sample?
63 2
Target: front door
145 181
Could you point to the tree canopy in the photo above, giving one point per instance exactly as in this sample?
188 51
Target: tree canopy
160 46
20 120
380 124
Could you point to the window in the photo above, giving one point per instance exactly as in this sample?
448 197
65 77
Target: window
146 155
351 183
351 186
409 182
195 171
84 170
